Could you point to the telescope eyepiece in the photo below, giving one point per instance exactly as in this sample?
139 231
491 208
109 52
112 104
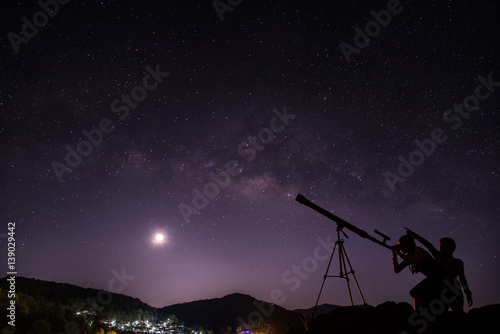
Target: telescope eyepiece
382 235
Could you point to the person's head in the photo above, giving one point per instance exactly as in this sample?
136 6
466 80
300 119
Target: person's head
407 243
447 245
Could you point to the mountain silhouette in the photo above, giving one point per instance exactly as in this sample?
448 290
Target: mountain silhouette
228 313
38 298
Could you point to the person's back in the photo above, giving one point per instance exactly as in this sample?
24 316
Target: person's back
426 264
452 265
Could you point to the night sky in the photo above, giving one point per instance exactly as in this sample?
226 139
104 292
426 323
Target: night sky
267 102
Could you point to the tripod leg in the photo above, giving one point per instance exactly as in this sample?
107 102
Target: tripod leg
342 255
324 279
353 275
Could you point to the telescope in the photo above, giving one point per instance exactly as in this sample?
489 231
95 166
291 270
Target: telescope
342 223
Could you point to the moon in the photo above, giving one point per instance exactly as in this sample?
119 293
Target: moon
159 238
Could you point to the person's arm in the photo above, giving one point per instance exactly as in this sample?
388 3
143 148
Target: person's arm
412 260
435 253
395 264
463 282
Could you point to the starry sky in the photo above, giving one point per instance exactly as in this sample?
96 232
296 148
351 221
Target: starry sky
275 99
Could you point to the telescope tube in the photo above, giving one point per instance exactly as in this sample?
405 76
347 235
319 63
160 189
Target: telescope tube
340 222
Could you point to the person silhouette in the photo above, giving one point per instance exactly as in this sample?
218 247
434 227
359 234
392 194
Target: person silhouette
419 260
453 266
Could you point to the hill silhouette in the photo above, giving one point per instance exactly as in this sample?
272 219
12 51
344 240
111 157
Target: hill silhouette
78 298
221 315
42 303
47 307
228 313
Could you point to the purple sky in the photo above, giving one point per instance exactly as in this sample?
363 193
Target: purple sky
228 80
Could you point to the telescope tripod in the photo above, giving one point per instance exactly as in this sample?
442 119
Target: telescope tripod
343 273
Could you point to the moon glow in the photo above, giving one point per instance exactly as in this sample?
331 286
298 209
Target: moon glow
159 238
